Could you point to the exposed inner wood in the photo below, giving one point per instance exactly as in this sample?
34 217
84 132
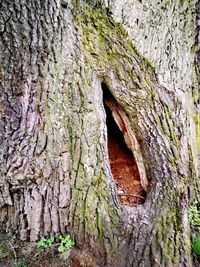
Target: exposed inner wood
123 165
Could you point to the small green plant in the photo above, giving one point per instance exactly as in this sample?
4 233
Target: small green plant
65 243
13 237
194 219
20 263
194 216
196 246
45 242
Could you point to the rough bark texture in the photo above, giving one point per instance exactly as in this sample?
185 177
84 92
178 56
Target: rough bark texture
55 172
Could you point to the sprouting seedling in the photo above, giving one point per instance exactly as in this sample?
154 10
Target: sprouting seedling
65 243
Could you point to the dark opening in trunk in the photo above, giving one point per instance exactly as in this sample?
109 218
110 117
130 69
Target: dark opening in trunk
123 165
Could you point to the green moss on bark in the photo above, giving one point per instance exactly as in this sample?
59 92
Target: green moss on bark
108 44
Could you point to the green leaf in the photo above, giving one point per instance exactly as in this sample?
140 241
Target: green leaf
196 245
61 248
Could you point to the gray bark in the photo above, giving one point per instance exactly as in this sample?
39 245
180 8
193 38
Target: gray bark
55 171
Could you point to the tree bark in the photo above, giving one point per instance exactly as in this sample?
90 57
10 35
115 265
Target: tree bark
55 170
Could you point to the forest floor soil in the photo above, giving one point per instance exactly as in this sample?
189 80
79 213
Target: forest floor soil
15 253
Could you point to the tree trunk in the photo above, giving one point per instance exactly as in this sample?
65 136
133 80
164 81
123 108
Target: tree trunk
57 58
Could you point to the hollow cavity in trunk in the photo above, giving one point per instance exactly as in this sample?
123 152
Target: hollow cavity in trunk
122 162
